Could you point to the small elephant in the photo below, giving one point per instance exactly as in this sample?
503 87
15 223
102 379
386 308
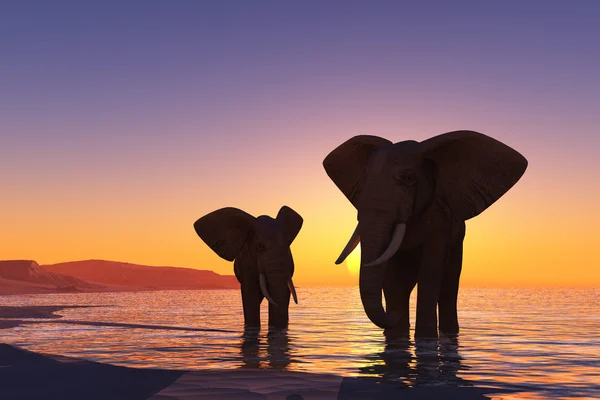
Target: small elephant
413 199
263 260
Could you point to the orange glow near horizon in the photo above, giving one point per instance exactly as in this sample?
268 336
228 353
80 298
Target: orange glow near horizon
522 240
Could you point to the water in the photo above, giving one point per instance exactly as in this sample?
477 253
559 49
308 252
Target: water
540 343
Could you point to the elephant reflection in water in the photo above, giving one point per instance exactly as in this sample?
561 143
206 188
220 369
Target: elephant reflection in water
278 349
435 361
250 347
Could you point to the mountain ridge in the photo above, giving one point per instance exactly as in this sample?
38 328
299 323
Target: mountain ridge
29 271
95 275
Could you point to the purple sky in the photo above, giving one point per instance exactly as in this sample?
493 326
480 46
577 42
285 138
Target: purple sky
126 101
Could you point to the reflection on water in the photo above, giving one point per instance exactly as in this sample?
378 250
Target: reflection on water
277 353
423 362
541 343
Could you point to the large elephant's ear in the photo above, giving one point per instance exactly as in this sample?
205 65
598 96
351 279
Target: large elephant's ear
292 222
346 165
225 231
474 170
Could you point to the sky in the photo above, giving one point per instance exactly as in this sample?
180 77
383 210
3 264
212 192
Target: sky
121 123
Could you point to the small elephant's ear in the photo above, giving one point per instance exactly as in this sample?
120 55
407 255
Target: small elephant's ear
225 231
346 165
474 170
292 222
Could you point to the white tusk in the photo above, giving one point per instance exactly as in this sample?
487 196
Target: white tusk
292 290
352 243
393 247
262 279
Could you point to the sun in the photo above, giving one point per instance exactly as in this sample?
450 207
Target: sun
353 261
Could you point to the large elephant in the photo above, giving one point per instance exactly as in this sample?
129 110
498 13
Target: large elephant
413 199
263 260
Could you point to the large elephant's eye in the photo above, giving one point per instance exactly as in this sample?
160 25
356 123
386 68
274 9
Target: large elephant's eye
261 247
406 177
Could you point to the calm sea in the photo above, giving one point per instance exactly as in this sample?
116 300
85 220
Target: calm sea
540 343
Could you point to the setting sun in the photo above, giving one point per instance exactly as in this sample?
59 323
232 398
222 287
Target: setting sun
353 261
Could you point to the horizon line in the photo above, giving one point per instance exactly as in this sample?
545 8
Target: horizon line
342 284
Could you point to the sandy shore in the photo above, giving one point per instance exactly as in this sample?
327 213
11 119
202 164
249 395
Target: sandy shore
25 375
11 317
34 311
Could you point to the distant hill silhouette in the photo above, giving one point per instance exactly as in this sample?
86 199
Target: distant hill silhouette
27 276
30 271
142 276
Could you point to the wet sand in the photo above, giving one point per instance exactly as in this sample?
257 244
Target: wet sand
11 317
26 375
34 311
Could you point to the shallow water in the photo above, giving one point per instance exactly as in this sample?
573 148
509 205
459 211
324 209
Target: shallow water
538 343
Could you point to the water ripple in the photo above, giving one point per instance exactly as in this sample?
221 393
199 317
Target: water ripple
539 343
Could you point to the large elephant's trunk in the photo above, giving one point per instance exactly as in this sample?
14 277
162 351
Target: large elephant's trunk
376 250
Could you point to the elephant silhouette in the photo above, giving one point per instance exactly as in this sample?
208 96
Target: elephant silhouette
413 199
263 263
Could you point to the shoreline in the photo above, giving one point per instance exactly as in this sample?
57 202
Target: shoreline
14 316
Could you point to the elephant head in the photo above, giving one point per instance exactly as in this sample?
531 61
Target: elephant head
392 185
229 231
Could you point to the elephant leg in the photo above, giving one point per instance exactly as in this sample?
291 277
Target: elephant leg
428 290
400 280
279 291
449 290
279 315
247 275
251 299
